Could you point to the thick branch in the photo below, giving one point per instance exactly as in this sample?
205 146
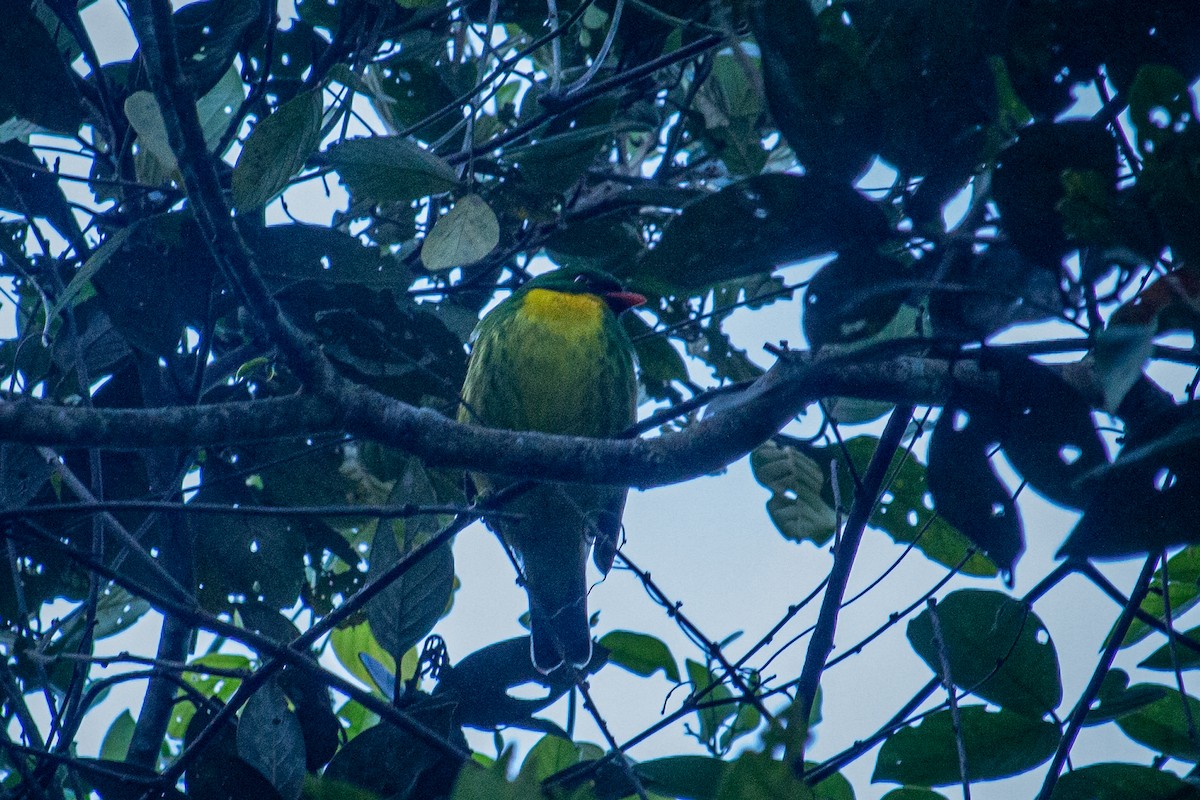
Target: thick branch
719 439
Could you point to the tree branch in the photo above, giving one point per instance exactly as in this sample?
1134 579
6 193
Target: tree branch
720 438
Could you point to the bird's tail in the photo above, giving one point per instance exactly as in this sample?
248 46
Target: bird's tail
558 619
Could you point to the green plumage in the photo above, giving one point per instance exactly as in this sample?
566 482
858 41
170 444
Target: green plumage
553 358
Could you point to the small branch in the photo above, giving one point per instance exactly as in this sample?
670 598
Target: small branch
821 644
939 644
1084 704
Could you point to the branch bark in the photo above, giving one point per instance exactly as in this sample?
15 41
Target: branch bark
720 438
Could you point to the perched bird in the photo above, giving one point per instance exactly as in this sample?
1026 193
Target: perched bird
553 358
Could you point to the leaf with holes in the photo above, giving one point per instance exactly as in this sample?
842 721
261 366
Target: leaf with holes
997 744
997 649
965 489
797 506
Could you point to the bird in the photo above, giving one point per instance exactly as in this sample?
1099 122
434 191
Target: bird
554 358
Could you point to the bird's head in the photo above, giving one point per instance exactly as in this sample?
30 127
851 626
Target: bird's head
588 281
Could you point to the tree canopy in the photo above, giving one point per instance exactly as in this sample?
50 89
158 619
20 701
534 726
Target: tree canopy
233 408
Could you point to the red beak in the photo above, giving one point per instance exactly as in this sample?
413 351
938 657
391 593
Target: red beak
623 301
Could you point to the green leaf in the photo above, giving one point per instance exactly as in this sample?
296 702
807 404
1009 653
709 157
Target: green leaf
390 169
464 235
913 793
757 776
270 740
551 754
477 782
38 90
835 787
216 109
1187 658
797 506
997 649
1159 99
117 610
640 653
1117 698
276 150
1183 595
116 742
685 777
403 613
711 717
755 226
352 640
997 743
218 687
1117 781
1163 726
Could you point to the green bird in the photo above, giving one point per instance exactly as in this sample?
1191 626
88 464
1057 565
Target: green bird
554 358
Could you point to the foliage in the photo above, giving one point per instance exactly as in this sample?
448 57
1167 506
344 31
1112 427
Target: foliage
699 152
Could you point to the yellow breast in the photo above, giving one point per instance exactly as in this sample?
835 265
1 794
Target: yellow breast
568 315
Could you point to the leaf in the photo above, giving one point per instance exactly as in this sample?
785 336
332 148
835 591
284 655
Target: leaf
1187 658
476 782
243 558
38 90
550 755
1164 726
797 507
913 793
23 473
390 169
757 776
270 740
640 653
998 744
144 115
1144 505
1117 781
997 649
965 489
1117 698
116 742
711 717
685 777
403 613
216 109
218 687
1159 99
464 235
754 226
352 641
276 150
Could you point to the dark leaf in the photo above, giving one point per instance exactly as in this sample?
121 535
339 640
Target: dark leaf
966 491
997 743
687 777
403 613
1116 781
269 739
1028 184
276 150
755 226
38 91
997 649
390 169
640 653
1164 725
